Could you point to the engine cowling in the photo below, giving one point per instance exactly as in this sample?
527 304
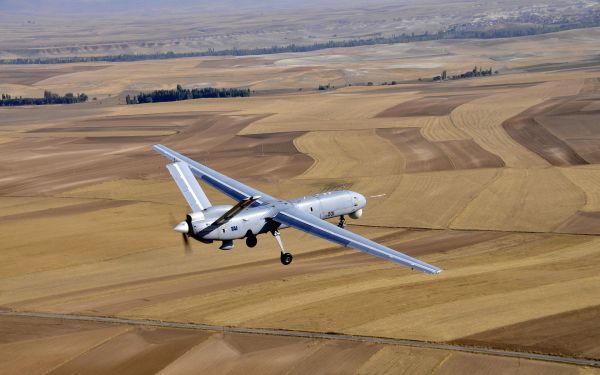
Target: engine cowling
356 214
196 216
190 219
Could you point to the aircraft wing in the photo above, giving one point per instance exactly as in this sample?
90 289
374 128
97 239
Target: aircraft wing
298 219
224 184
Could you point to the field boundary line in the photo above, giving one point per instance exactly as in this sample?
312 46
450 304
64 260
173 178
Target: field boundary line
310 335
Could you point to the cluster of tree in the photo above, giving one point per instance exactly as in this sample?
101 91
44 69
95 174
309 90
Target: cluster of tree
453 32
404 38
184 94
469 74
505 32
527 23
49 98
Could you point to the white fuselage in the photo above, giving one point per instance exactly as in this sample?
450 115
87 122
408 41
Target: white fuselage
256 220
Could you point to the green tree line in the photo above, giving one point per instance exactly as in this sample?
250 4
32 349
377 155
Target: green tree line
184 94
49 98
475 72
452 33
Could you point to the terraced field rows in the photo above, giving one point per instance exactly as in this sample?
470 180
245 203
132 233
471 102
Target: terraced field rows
442 128
363 152
587 178
523 199
482 120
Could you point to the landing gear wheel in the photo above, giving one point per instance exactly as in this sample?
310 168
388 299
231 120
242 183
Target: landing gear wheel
286 258
251 241
342 223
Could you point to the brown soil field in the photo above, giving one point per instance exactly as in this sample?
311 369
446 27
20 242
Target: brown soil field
560 130
427 106
31 75
582 222
528 132
118 137
96 348
422 155
495 181
561 333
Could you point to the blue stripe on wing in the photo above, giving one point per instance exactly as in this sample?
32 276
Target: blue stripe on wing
300 220
222 187
224 184
311 228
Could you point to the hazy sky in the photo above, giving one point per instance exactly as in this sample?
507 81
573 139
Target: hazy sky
119 7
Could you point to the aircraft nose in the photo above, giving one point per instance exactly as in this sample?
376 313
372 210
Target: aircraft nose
182 227
362 201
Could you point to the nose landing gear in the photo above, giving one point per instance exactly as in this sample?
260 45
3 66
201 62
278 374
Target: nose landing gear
251 240
286 258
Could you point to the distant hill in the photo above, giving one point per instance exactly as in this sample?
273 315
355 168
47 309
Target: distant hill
90 28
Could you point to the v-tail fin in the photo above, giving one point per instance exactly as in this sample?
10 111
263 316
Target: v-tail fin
187 183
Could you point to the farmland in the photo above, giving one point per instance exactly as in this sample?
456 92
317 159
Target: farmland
494 179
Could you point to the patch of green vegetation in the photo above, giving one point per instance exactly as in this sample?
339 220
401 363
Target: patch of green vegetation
49 98
180 93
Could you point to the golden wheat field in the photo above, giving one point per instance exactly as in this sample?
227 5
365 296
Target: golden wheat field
494 179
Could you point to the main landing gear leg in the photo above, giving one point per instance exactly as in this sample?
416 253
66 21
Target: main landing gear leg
286 258
342 223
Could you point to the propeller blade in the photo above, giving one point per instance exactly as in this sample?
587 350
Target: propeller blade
186 244
172 220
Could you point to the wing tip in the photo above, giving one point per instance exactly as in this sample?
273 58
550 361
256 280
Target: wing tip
165 151
424 267
430 269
